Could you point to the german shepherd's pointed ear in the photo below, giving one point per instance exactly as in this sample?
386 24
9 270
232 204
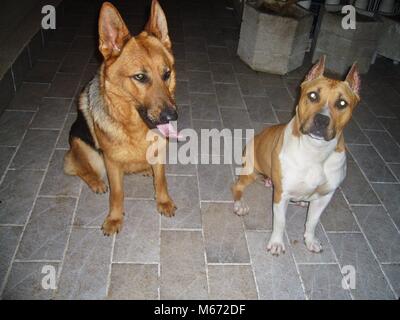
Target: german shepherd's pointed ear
317 70
353 79
113 33
157 24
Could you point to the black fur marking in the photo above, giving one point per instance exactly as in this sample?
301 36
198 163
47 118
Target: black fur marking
143 114
81 130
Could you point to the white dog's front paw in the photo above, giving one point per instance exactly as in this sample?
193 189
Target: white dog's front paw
276 247
313 244
240 208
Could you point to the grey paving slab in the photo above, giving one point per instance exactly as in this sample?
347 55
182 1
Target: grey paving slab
215 181
5 156
392 125
51 113
396 170
276 277
353 134
392 271
29 96
46 233
280 98
380 232
64 85
183 270
365 118
204 106
74 62
228 95
42 71
92 208
388 193
222 72
295 222
139 240
371 163
250 85
235 119
133 282
25 281
180 67
13 125
385 144
259 198
351 249
272 80
260 109
230 282
35 150
195 44
54 51
184 192
56 182
139 186
182 92
200 82
323 282
64 136
17 194
338 216
196 61
9 238
284 116
356 188
217 54
224 235
86 266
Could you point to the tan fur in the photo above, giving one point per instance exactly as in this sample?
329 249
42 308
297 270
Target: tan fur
83 161
109 104
266 161
267 144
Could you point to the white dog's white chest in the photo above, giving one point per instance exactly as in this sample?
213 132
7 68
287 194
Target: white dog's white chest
301 182
310 168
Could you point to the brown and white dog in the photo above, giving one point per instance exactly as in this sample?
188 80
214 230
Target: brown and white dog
305 158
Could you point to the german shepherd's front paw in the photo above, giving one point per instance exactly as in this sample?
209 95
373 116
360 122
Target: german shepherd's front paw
111 226
166 208
98 186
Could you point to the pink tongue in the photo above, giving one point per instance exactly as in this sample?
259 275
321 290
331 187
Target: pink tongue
168 130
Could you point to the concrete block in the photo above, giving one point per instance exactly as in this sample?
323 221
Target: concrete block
389 41
343 47
273 43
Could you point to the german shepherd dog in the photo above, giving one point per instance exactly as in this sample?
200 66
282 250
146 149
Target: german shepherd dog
132 93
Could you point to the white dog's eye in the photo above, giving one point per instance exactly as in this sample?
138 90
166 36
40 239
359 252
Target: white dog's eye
313 96
341 104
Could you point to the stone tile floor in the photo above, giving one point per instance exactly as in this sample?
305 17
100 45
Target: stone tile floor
47 218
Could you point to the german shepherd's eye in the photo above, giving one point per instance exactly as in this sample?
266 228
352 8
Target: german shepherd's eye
166 75
313 96
341 104
141 77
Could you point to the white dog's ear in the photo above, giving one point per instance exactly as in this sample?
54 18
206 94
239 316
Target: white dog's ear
353 79
317 70
157 24
113 33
